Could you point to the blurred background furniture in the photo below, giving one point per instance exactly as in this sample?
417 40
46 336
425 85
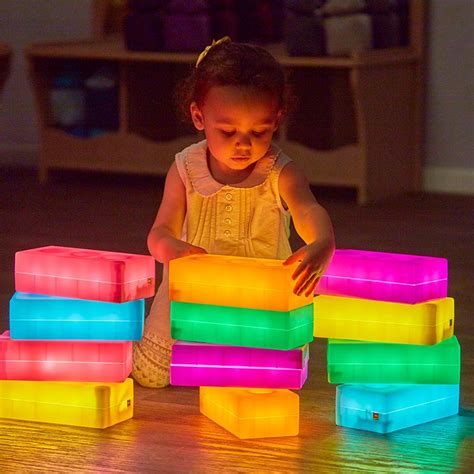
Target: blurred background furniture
359 122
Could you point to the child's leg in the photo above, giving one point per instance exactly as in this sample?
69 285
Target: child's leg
152 354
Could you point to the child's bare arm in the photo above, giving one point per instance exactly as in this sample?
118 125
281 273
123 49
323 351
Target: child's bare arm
313 225
164 239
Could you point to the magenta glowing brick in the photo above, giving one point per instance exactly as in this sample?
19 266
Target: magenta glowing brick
212 365
398 278
85 274
65 361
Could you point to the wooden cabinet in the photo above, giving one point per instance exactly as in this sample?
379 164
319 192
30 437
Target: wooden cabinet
363 127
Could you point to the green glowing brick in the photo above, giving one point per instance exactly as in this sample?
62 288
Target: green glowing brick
241 326
358 362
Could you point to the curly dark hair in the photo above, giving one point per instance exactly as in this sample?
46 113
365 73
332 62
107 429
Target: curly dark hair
233 64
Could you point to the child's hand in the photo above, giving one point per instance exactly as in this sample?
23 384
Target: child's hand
314 258
176 248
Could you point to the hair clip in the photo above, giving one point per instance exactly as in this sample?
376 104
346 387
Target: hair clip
225 39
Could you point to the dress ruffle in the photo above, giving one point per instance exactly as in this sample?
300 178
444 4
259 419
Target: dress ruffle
204 183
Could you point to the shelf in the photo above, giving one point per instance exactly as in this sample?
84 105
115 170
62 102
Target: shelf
115 51
111 152
341 166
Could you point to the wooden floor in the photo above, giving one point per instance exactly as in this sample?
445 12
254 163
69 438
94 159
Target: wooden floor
167 433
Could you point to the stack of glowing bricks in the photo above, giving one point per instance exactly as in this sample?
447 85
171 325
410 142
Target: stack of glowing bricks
242 337
391 345
73 318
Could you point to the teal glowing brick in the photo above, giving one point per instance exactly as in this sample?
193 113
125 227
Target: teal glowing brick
56 318
384 409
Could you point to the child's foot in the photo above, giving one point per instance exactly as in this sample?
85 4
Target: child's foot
151 361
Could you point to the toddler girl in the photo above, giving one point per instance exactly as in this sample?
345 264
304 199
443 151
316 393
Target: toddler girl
234 192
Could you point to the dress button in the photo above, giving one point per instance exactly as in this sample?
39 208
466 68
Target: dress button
227 220
228 196
227 232
228 208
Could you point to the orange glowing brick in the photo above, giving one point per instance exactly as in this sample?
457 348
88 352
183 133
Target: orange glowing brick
252 413
241 282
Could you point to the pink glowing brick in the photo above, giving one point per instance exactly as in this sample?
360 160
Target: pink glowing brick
383 276
85 274
199 364
65 361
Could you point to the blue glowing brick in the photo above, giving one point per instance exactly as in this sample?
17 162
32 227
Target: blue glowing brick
388 408
56 318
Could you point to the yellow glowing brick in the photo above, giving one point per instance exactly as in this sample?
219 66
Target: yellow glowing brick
242 282
90 404
380 321
252 413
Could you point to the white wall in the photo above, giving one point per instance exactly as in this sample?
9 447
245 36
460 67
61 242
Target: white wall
23 22
449 164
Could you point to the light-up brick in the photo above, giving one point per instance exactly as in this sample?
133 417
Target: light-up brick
248 413
85 274
385 276
236 326
380 321
55 318
358 362
389 408
88 404
244 282
78 361
198 364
